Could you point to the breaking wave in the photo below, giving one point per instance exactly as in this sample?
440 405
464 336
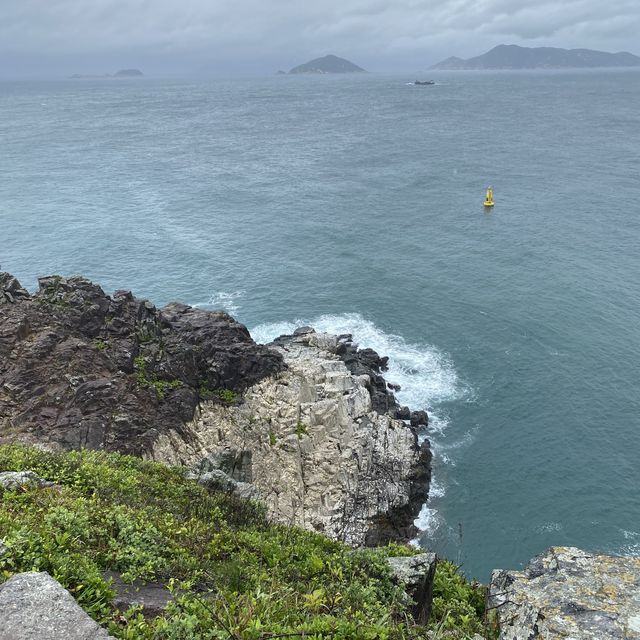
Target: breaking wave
222 301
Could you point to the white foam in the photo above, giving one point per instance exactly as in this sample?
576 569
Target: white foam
222 300
549 527
426 376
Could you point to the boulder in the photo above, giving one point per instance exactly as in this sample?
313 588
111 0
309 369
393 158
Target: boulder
419 419
10 289
568 593
34 606
415 575
218 480
16 480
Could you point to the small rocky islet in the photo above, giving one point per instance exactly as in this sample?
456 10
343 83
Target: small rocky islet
180 480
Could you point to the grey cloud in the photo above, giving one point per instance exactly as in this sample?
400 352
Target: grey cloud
418 30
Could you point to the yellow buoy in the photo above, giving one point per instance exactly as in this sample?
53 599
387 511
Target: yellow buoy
488 201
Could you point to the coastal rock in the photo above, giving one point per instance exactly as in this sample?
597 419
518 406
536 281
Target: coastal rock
568 593
80 369
153 597
415 575
34 606
220 481
419 419
15 480
316 450
10 289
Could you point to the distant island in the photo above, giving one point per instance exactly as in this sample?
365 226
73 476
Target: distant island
511 56
122 73
328 64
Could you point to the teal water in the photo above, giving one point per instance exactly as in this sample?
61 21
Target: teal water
355 203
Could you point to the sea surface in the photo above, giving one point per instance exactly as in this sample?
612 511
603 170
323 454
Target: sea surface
355 204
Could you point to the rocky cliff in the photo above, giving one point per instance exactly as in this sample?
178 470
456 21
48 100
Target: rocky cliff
307 424
313 446
568 593
80 369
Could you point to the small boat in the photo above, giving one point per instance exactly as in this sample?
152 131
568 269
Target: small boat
424 82
488 200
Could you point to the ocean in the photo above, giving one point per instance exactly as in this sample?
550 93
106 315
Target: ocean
354 204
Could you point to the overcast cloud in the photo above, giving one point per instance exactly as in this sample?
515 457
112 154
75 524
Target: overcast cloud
260 36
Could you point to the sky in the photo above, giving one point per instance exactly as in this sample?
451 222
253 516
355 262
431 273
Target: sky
258 37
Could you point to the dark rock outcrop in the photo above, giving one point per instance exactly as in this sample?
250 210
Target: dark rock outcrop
80 369
34 606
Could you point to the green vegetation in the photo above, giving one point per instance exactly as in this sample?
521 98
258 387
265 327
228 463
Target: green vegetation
226 396
151 380
301 429
100 345
52 295
234 575
458 605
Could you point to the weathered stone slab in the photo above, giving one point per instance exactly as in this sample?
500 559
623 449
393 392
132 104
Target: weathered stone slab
34 606
153 597
415 574
570 594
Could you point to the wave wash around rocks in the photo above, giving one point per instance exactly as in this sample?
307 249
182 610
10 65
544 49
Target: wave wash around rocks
307 424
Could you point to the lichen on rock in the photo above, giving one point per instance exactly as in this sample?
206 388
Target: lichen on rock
568 593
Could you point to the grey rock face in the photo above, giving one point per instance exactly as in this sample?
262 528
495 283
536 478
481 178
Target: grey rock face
12 480
311 443
34 606
415 575
570 594
220 481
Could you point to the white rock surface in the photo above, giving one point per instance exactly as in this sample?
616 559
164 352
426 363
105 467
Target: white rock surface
309 442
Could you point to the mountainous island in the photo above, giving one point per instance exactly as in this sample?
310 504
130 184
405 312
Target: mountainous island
122 73
511 56
328 64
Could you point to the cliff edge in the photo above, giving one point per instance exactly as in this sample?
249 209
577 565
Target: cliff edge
311 443
307 424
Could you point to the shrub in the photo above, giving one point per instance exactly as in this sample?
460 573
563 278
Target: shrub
234 574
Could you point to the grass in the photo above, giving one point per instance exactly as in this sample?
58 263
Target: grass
151 380
234 574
